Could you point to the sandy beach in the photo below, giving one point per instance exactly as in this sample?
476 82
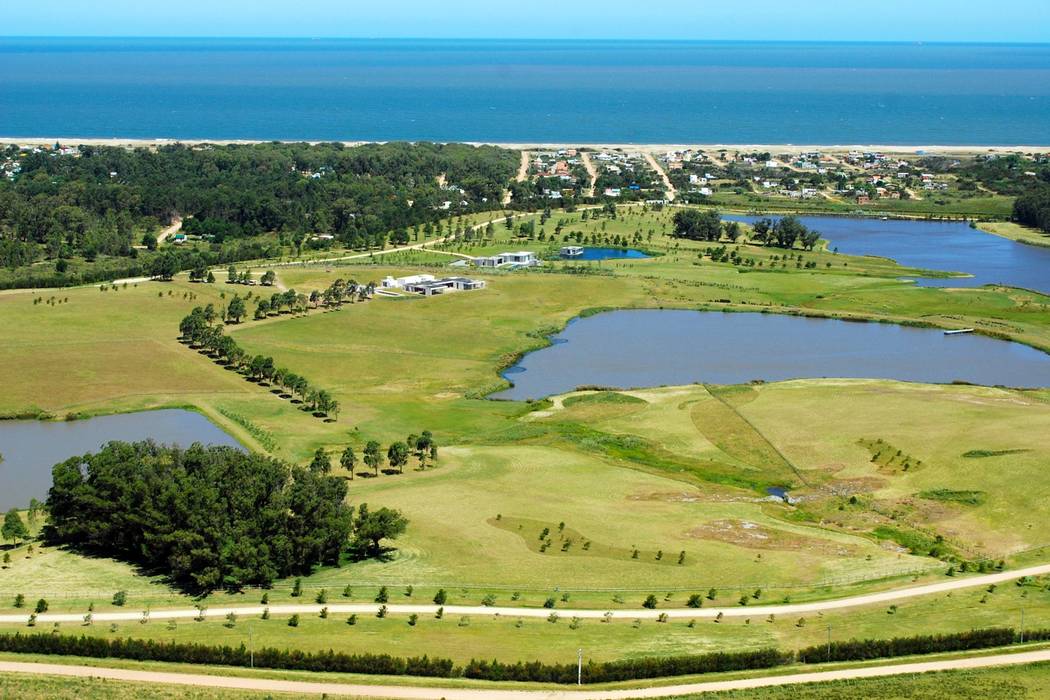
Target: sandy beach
903 149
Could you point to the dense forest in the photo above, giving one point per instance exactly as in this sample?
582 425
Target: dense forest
1033 208
103 203
209 517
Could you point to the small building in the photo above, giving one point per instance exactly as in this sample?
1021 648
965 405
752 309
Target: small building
432 287
405 282
521 258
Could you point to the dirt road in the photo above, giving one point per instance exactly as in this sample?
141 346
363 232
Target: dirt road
891 596
415 693
671 191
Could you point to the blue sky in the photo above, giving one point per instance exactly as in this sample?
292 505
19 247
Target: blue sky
885 20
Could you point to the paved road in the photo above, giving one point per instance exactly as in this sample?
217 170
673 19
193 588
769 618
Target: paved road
891 596
416 693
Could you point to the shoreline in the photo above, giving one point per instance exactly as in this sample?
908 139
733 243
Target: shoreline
907 149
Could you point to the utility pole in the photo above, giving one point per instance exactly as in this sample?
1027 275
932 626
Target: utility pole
251 649
1022 625
579 667
829 643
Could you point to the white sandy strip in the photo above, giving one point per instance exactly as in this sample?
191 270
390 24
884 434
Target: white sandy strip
890 596
417 693
518 146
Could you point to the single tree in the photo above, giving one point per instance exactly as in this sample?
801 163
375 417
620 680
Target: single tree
321 463
348 460
14 530
397 455
373 456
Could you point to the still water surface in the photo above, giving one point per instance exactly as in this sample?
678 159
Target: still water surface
645 348
30 448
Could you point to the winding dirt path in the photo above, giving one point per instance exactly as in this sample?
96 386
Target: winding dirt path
404 692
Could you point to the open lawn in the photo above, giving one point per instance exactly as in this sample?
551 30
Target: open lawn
653 491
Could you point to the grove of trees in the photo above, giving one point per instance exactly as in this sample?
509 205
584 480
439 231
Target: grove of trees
209 517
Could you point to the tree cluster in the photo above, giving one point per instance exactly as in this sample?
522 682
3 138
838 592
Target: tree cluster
209 517
785 233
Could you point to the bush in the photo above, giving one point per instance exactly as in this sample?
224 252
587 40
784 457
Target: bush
120 598
650 602
293 621
41 606
383 595
440 597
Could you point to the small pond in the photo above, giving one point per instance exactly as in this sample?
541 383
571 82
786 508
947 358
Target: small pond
607 254
30 448
645 348
950 246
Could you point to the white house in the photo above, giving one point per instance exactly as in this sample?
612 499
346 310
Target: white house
521 258
431 287
405 282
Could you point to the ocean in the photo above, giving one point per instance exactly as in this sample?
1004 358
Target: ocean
526 91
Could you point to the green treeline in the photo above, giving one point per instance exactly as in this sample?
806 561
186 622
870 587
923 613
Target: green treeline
1033 209
538 672
97 202
209 517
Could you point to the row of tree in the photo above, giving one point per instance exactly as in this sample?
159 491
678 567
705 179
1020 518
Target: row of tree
209 517
202 329
423 447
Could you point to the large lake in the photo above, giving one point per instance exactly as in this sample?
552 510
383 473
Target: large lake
526 91
645 348
31 448
950 246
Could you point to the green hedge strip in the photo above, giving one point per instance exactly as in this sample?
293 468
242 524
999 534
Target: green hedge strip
535 671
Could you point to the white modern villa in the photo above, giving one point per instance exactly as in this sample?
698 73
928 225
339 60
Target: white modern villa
428 285
523 258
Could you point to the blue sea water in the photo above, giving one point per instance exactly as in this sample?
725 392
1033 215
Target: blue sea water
526 91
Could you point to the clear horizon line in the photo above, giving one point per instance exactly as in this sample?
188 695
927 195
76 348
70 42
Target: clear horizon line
264 37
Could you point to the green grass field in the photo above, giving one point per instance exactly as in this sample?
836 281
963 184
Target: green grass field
667 473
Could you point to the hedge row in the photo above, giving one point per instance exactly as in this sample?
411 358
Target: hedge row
863 649
602 672
611 671
292 659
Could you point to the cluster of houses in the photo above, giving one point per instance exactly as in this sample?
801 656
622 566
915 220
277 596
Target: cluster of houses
10 167
428 285
560 171
618 171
